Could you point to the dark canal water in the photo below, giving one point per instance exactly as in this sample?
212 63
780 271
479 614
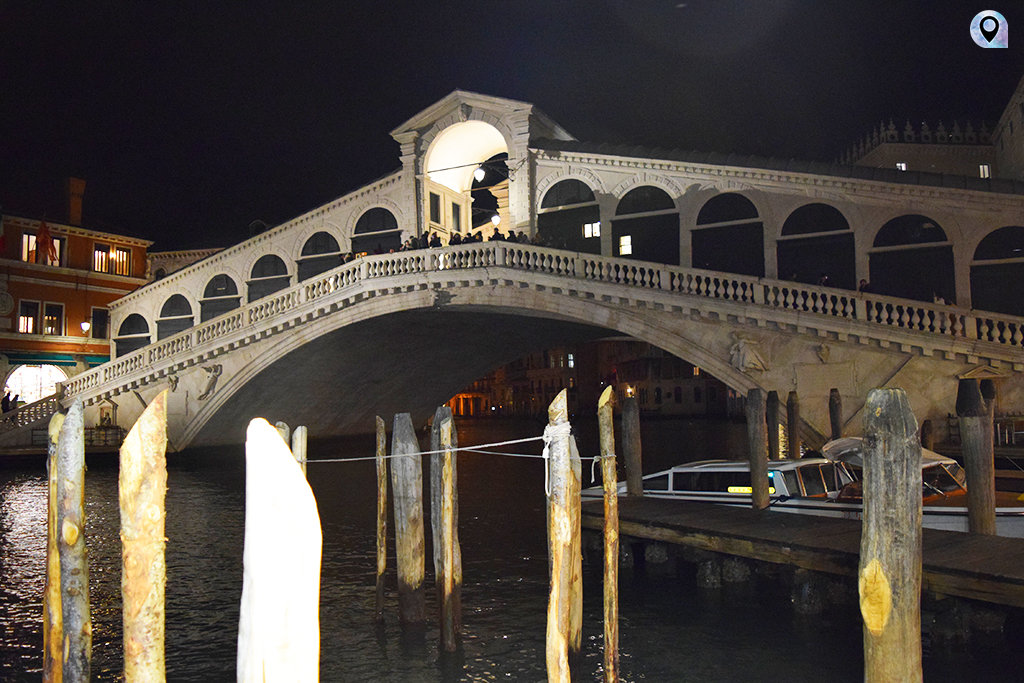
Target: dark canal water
671 629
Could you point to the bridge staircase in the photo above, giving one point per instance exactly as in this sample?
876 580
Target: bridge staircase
20 428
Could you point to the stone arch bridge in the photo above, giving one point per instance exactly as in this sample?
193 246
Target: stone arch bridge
405 331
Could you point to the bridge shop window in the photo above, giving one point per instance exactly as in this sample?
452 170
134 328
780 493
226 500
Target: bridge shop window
729 236
997 272
817 240
132 335
648 216
376 232
269 274
175 316
320 253
912 258
219 297
566 211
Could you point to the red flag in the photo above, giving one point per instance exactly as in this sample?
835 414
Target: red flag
44 243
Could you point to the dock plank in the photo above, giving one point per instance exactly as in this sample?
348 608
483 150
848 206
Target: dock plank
987 568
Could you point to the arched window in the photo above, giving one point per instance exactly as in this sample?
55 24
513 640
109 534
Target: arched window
912 258
817 240
376 232
646 226
729 236
133 334
269 274
320 253
997 272
569 218
175 316
220 296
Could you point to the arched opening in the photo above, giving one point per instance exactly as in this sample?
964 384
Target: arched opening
220 296
452 163
817 241
729 236
997 272
569 218
320 253
646 226
132 335
376 232
31 383
269 274
175 316
912 258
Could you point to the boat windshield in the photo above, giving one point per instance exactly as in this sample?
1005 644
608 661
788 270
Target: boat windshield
940 479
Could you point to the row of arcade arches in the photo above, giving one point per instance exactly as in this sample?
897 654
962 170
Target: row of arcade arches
911 255
375 231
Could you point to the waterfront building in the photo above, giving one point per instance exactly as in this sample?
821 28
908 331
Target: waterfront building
57 282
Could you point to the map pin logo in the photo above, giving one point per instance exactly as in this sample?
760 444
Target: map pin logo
989 29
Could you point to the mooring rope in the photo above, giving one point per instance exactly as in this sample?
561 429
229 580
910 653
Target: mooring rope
453 450
551 432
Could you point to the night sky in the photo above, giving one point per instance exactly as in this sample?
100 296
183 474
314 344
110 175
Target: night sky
189 121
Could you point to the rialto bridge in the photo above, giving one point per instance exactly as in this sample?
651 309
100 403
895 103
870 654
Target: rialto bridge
718 261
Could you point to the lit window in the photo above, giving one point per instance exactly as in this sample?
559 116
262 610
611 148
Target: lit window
122 261
28 248
572 361
101 258
625 245
592 229
53 319
901 166
985 170
696 371
28 314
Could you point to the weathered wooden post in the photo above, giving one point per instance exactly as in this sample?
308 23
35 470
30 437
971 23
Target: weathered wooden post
889 576
299 438
793 425
556 436
772 410
976 441
53 627
757 448
835 412
575 550
407 486
382 515
285 431
988 393
444 522
609 478
142 489
631 447
927 435
74 561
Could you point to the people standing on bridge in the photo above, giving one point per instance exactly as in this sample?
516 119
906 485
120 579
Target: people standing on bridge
435 240
864 286
5 403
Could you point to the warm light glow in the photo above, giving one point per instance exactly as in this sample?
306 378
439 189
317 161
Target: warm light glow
495 219
629 391
747 489
86 326
479 174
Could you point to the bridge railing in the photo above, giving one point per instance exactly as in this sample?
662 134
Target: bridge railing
29 414
886 312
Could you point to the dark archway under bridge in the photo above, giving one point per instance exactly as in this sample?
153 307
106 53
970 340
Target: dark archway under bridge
409 361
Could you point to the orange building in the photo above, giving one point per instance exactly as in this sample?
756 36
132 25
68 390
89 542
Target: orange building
56 281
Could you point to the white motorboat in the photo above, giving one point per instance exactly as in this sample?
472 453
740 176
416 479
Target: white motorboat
828 486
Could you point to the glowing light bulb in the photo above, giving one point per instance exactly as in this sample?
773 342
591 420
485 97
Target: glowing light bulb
495 219
479 174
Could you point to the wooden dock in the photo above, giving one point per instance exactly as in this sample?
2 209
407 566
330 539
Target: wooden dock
988 568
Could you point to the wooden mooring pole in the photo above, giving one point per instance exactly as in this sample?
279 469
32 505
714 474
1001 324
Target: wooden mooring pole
631 447
142 489
53 628
889 575
757 448
299 438
976 440
382 515
793 425
927 435
74 562
559 538
407 487
575 550
444 523
835 413
772 411
609 479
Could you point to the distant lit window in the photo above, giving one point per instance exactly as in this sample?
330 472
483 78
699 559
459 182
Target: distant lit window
28 317
101 258
572 361
28 248
696 371
625 245
592 229
53 319
901 166
32 253
985 170
122 261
